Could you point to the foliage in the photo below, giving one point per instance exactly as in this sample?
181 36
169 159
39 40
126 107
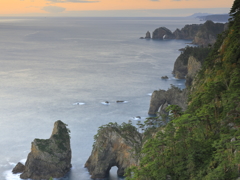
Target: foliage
200 53
203 143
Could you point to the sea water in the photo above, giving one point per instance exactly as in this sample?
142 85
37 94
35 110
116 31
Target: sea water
66 68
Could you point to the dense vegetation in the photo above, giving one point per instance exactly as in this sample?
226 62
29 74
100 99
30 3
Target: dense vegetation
202 143
200 53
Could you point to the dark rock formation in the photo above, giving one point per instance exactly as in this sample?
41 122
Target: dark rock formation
162 33
193 67
164 77
161 99
180 68
19 168
201 34
148 35
207 33
188 32
49 157
114 146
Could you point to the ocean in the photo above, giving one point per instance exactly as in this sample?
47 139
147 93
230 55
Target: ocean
66 68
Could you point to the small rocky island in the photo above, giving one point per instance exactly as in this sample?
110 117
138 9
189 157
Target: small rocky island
48 157
115 145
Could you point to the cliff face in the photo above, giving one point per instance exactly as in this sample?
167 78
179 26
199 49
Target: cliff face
161 99
201 34
188 32
180 69
49 157
114 146
193 67
207 33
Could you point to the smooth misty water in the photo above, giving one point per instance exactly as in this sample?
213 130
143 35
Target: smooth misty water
48 64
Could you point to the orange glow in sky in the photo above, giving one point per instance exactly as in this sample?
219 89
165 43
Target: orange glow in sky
18 7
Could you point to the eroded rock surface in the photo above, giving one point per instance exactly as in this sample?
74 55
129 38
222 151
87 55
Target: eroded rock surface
19 168
148 35
114 145
207 33
49 157
161 99
193 67
200 34
162 33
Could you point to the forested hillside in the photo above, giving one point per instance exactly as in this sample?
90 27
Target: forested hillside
202 143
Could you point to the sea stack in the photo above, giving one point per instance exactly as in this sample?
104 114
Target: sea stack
49 157
148 35
115 145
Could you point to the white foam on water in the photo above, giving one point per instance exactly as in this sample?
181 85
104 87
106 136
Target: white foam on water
12 163
105 103
149 94
136 118
10 176
78 103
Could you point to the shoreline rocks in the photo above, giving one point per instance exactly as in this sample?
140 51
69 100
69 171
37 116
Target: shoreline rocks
200 34
161 99
49 157
115 145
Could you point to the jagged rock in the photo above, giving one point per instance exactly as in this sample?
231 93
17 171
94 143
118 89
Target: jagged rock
114 146
180 69
161 99
49 157
193 67
188 32
162 33
148 35
201 34
207 34
164 77
19 168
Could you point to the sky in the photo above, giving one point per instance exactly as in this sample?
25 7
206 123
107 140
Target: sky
121 8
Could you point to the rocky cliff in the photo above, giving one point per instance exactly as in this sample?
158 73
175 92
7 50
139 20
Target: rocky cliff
186 67
188 32
201 34
49 157
193 67
207 33
115 145
162 33
181 65
161 99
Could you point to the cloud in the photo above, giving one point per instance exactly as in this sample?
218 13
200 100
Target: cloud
71 1
53 9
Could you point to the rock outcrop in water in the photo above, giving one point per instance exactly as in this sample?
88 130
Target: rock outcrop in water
161 99
148 35
162 33
49 157
114 145
201 34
